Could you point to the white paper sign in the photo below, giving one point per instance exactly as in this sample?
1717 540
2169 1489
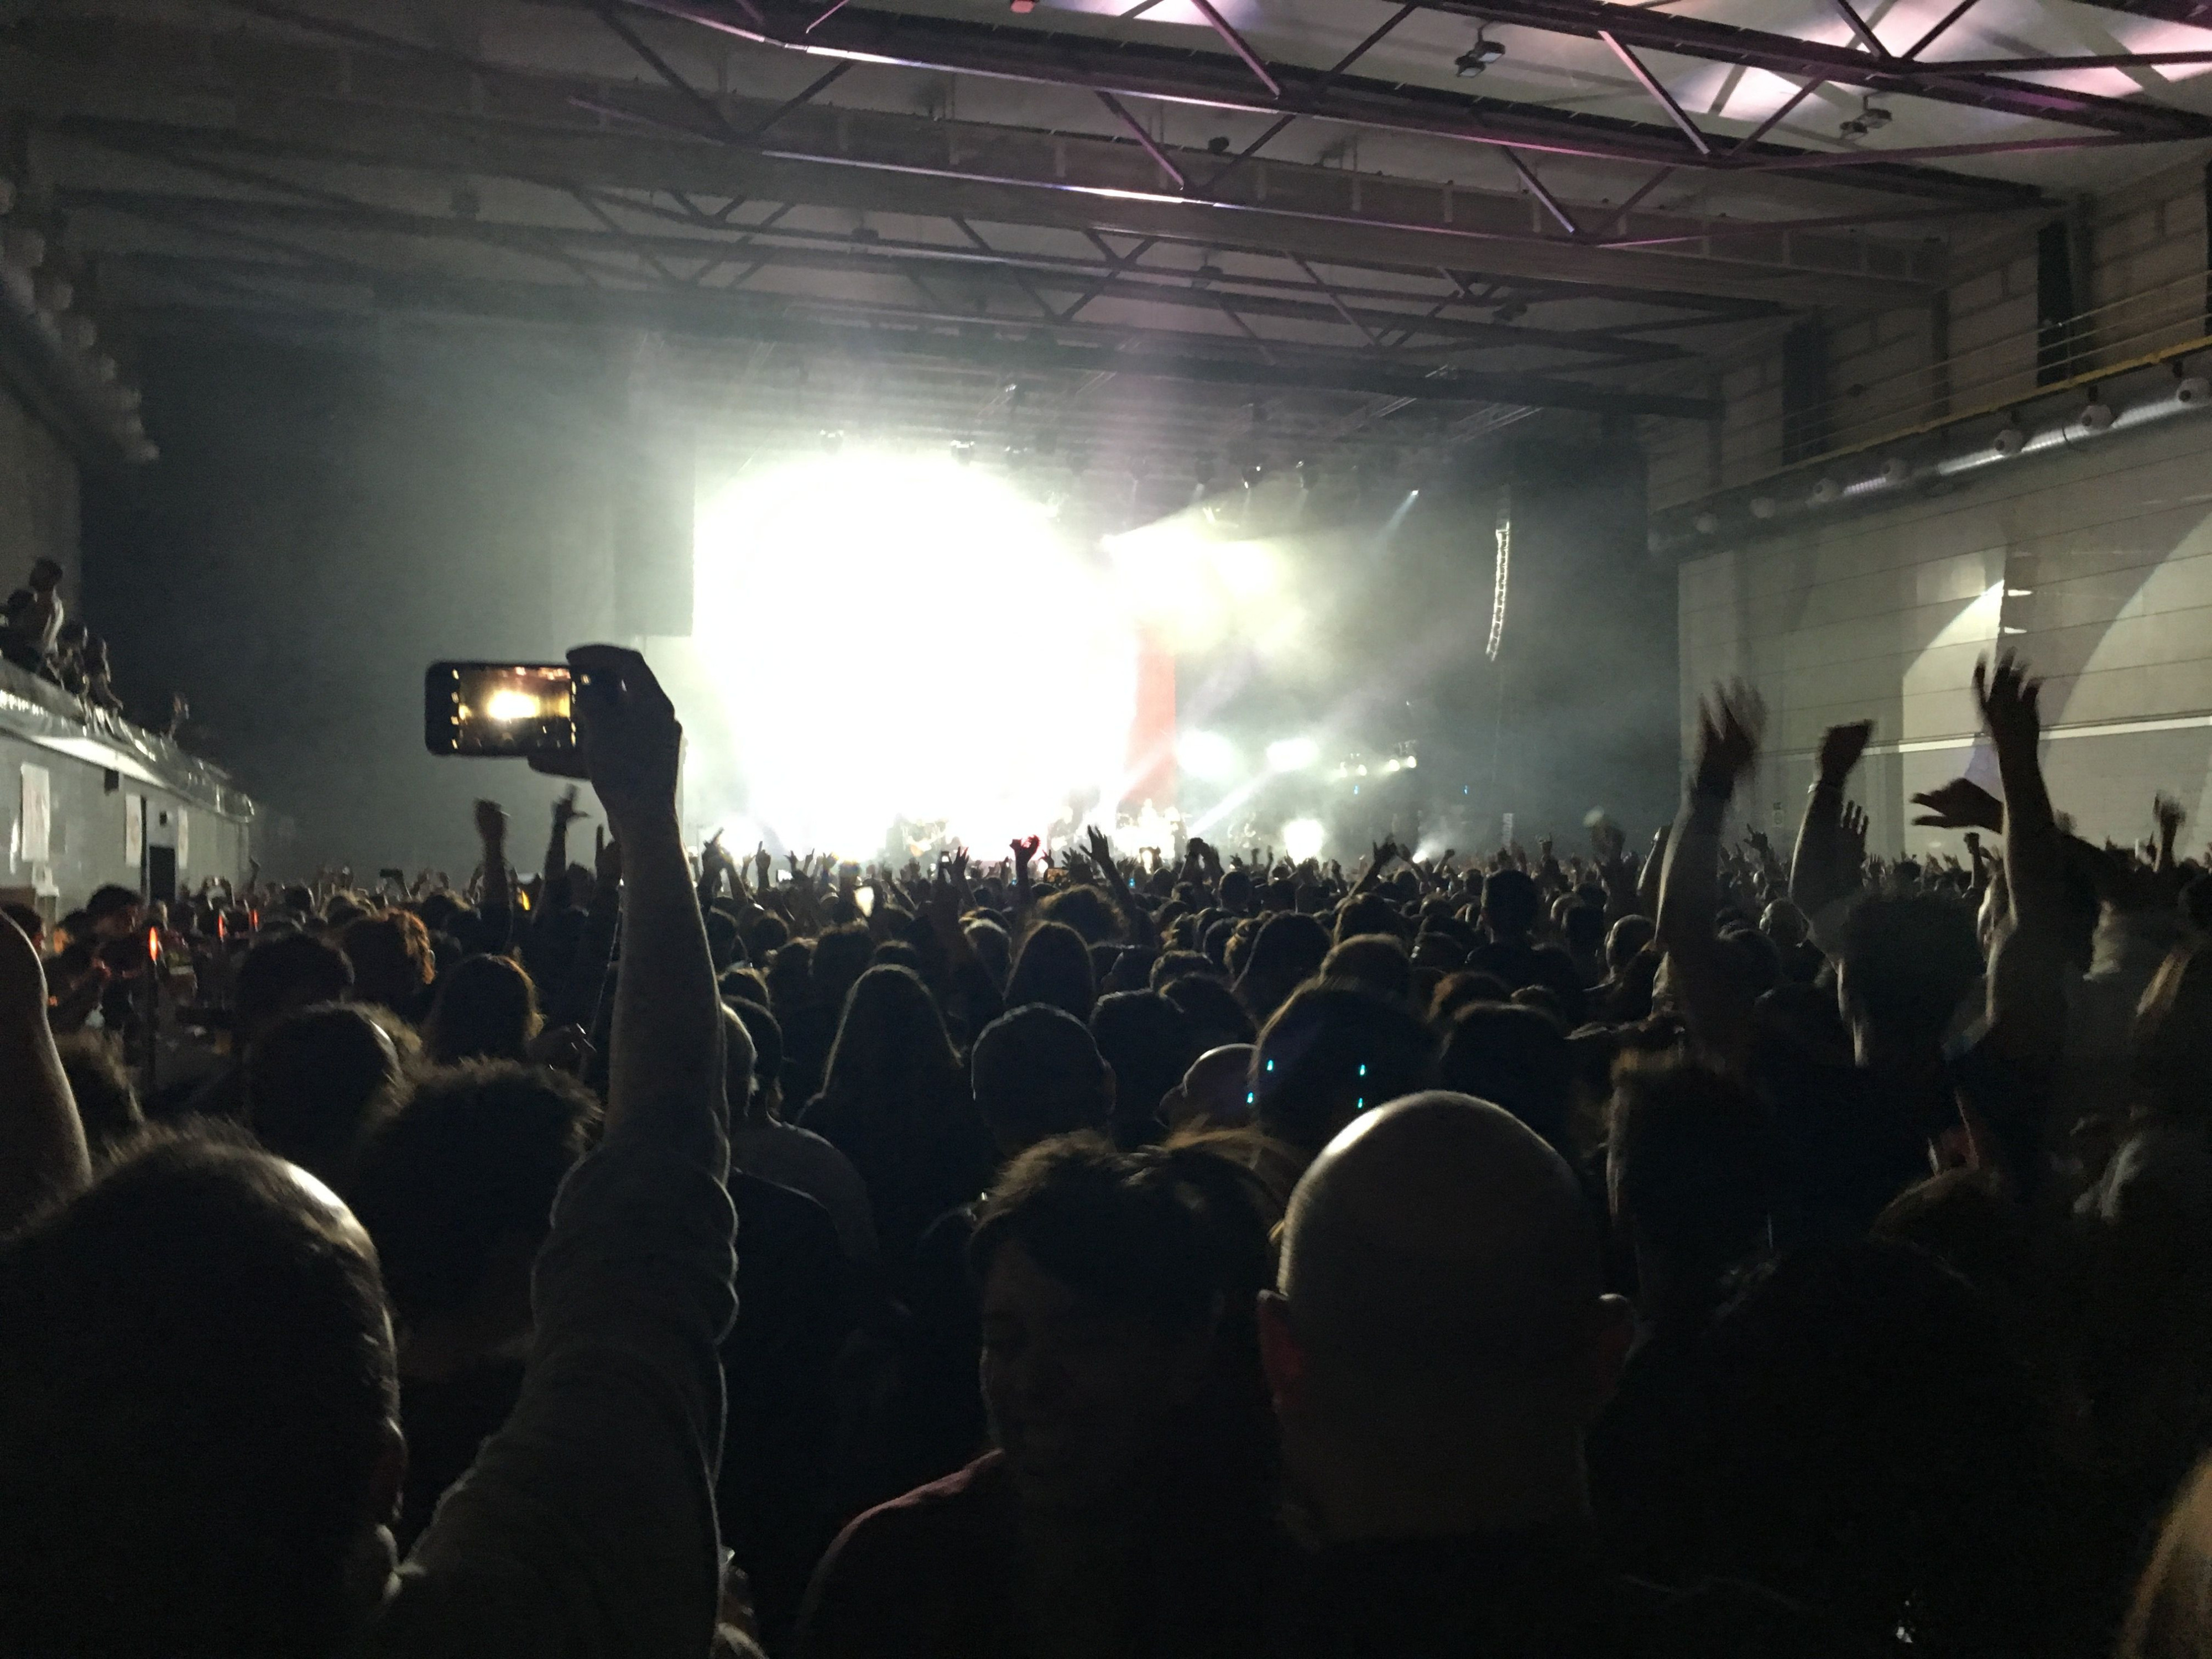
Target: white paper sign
133 830
38 814
184 840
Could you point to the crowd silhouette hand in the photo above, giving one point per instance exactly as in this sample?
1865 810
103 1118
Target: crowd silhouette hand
764 865
1102 853
2007 697
1025 849
1960 803
2170 815
1853 825
566 813
491 821
1841 748
1729 725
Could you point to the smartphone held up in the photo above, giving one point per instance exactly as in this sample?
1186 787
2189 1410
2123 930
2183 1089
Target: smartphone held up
510 709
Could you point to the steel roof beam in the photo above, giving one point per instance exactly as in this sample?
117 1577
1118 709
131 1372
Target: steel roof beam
891 332
546 241
1141 69
1780 54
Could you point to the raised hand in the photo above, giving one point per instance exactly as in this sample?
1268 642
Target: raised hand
629 742
2007 697
1102 852
2170 816
1729 725
566 812
491 822
1960 803
763 863
1025 849
1854 828
1841 746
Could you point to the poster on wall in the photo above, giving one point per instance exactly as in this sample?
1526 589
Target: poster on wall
38 814
133 830
184 840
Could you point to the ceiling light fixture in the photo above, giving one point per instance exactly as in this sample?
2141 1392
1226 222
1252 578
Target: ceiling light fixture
1871 117
1479 57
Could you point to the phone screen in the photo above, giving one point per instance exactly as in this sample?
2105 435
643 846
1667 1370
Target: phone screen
498 708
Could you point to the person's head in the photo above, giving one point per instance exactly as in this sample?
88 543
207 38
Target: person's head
992 948
1085 909
1215 1093
113 912
486 1009
45 576
1626 942
1516 1057
1330 1052
1582 927
1117 1294
1287 950
279 974
1510 903
198 1447
723 945
739 1064
1053 967
892 1044
317 1082
841 956
1215 1015
1784 923
392 962
1689 1173
1441 1340
765 1034
1365 915
1904 966
1378 961
457 1191
34 924
1038 1073
107 1099
2172 1614
1169 966
1147 1041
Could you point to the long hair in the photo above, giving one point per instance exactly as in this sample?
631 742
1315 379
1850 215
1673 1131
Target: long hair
892 1046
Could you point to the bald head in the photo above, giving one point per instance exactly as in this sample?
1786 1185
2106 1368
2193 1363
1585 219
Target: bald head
1439 1234
1441 1338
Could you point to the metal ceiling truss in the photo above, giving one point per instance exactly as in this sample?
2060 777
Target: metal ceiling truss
860 331
1126 68
825 250
1650 29
873 172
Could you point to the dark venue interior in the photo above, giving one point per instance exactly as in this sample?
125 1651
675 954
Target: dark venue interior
1106 828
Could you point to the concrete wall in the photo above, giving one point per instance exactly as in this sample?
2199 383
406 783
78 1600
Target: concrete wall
38 500
325 521
2095 565
2140 251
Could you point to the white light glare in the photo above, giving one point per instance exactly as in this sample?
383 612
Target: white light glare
840 591
1206 756
510 705
1304 838
1292 755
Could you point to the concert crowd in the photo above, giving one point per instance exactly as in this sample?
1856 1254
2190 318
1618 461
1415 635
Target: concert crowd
1718 1248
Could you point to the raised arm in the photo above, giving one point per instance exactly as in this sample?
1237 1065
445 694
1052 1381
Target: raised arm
586 1524
42 1150
1820 871
1718 1012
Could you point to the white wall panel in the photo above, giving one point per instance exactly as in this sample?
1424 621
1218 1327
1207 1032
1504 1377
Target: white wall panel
2095 565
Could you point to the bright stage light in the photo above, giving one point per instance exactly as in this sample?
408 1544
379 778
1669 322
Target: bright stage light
899 636
1304 838
511 705
1206 756
1292 755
